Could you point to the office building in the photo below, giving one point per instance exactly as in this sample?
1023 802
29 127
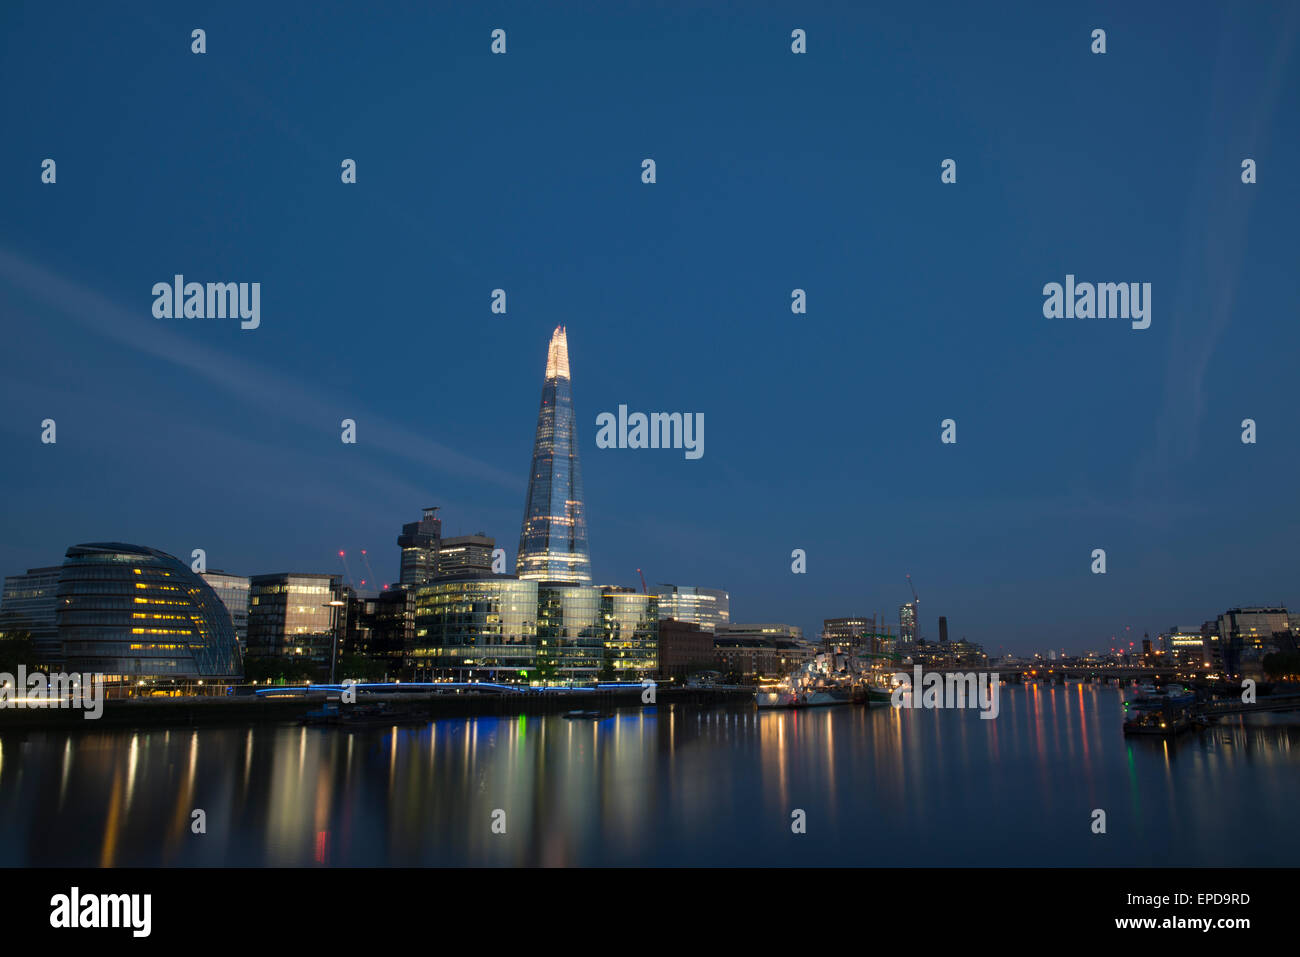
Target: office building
1185 644
747 652
1246 635
707 607
464 555
630 621
233 592
848 635
479 628
27 605
684 649
419 545
298 615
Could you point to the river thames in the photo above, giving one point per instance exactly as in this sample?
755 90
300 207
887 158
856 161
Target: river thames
679 786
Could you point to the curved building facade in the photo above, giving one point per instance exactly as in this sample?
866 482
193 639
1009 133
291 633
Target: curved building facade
125 611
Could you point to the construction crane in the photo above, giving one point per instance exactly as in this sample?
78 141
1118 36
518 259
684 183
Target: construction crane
644 590
344 559
916 611
366 558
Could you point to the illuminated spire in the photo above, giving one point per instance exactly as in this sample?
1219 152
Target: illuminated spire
557 357
553 538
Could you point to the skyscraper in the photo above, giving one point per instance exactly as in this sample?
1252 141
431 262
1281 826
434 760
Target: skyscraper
906 627
553 539
419 544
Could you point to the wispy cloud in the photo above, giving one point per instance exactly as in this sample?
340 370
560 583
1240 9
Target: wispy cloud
272 392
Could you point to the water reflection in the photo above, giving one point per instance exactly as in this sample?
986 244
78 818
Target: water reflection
673 786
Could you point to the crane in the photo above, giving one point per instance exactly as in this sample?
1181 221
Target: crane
644 590
344 559
366 559
916 611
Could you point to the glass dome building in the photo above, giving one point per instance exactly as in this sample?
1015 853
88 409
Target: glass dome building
129 612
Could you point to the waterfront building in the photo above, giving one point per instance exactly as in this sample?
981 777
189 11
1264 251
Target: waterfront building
553 538
502 628
298 615
381 627
954 654
28 604
684 648
476 628
707 607
570 633
1246 635
846 634
761 629
767 650
135 614
750 658
233 592
1185 644
630 620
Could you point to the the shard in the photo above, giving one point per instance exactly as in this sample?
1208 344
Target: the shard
553 540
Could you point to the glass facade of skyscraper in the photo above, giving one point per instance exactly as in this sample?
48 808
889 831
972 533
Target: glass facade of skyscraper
553 538
130 612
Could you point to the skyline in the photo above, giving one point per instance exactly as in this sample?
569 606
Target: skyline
924 300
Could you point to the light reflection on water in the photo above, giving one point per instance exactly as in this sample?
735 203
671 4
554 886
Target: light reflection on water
672 786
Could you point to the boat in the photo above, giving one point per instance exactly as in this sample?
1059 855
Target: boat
328 713
818 697
377 715
774 698
579 713
1152 699
816 684
1158 723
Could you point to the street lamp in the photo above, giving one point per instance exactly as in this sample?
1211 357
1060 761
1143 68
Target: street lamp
334 632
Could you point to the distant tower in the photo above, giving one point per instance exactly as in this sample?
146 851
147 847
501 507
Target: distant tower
943 629
907 625
553 539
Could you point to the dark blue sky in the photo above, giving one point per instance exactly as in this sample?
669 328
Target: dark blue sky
775 171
